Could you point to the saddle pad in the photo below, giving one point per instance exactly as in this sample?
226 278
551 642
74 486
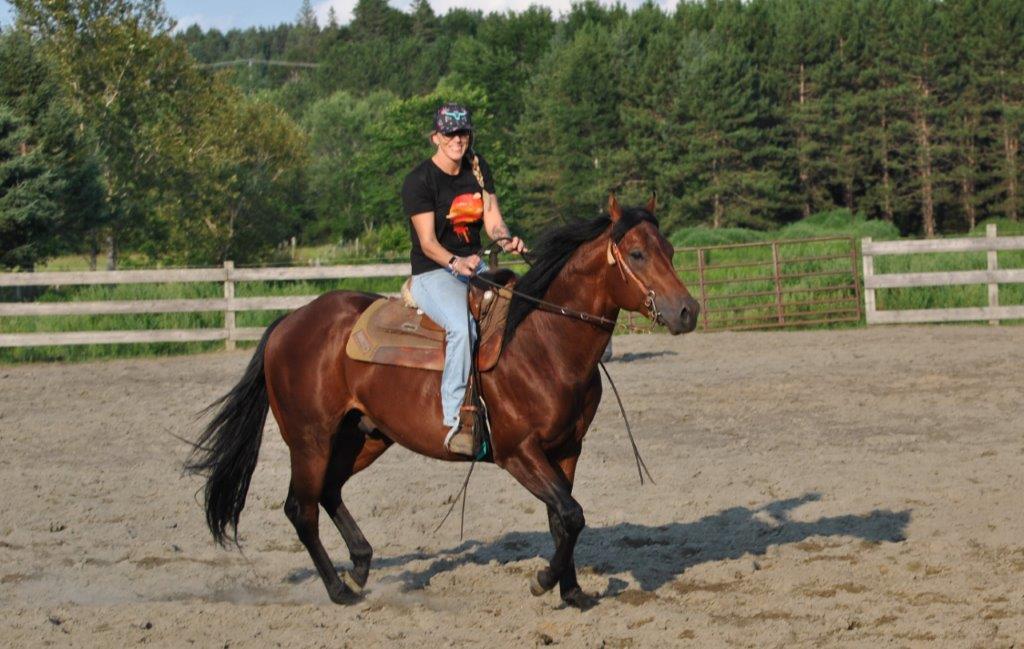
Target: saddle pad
389 333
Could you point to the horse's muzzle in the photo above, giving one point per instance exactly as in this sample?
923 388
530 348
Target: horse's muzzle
681 317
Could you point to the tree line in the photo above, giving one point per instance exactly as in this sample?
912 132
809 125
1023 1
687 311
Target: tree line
755 114
112 140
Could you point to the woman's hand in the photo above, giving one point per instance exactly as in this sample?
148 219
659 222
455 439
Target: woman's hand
465 266
515 244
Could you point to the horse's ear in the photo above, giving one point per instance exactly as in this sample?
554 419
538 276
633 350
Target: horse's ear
613 208
652 203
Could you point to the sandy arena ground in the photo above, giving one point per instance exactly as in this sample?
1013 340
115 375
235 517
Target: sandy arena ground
855 488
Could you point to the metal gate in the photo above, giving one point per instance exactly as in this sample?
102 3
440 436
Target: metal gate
772 284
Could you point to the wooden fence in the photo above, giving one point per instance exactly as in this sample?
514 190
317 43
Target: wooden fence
775 306
992 276
229 304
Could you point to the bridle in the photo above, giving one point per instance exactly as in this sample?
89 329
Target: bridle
615 258
625 271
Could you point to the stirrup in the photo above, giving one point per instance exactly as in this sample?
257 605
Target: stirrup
461 438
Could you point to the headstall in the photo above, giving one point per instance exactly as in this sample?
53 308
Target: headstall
615 258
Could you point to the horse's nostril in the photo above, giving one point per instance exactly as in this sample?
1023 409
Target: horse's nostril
689 312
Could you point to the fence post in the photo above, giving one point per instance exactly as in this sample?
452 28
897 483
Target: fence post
853 271
869 272
993 264
229 313
778 282
703 288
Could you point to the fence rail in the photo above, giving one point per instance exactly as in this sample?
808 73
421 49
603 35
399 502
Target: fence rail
991 276
795 283
787 294
228 275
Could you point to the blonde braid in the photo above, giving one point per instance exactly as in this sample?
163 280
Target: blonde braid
480 179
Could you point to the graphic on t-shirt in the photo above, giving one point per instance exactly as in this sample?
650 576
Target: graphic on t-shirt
466 209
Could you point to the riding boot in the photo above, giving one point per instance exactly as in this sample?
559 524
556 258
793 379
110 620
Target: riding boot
461 439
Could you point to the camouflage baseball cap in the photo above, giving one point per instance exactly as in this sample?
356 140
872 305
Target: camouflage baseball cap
452 117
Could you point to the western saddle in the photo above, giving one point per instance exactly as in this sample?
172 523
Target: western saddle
395 332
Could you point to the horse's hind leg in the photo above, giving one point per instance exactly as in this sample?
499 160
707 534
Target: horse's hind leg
353 450
302 506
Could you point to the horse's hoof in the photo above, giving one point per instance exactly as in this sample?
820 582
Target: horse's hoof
353 585
541 582
347 591
578 598
343 596
535 588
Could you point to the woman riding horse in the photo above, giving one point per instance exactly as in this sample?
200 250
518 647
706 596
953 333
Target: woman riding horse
445 197
337 415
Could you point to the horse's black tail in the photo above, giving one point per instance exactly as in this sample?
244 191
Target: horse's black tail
227 450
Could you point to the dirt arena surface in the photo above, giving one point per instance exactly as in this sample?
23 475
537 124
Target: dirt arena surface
853 488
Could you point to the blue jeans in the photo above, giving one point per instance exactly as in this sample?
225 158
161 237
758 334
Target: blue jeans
442 296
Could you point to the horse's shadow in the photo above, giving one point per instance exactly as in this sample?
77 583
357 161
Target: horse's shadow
655 555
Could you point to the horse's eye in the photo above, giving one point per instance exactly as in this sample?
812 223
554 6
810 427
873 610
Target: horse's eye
638 255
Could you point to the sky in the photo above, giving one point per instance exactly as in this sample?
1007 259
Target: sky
229 14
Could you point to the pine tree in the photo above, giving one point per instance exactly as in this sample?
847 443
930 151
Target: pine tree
424 20
47 155
375 19
728 167
885 121
842 106
122 70
961 94
306 19
799 48
998 57
922 59
568 130
303 40
649 64
29 210
502 56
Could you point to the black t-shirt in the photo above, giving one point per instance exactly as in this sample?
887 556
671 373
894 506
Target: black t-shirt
428 189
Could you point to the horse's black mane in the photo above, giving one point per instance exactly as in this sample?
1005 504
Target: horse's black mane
554 250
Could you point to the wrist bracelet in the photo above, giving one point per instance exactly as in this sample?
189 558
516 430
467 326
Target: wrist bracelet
451 262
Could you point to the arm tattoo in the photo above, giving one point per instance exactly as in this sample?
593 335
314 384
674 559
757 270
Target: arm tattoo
499 231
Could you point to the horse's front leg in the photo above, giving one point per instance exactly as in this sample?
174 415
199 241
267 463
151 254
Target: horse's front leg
568 586
549 482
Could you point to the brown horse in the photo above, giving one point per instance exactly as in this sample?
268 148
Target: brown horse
338 415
